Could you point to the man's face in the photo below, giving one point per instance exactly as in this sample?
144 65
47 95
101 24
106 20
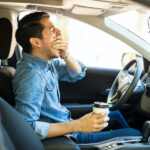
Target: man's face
49 35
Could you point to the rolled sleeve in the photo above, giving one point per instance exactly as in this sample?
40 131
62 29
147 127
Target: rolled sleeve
41 129
77 75
66 74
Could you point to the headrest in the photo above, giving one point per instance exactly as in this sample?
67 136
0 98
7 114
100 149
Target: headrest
7 36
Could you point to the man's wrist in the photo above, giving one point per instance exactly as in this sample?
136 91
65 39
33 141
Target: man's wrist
73 126
76 126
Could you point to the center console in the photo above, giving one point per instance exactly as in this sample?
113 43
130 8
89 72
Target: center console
119 143
123 143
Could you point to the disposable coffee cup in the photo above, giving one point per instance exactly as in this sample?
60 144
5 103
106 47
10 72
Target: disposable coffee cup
100 107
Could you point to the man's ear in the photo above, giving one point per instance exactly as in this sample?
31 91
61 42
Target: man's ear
35 42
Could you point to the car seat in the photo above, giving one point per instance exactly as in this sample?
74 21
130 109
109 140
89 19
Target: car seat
16 134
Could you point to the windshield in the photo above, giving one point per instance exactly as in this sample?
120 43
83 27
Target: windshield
136 22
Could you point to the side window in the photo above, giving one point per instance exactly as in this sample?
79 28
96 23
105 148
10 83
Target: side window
92 46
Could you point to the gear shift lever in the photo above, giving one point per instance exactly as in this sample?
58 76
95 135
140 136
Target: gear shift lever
146 132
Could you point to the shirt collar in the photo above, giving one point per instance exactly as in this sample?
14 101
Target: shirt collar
36 60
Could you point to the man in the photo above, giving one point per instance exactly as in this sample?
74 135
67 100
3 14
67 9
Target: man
36 85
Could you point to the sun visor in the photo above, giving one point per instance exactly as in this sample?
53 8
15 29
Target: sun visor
81 10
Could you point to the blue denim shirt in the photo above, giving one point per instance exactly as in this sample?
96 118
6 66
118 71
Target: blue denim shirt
37 94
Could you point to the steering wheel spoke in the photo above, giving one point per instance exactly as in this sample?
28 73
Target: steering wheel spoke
124 85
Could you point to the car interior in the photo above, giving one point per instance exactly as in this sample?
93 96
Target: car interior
100 84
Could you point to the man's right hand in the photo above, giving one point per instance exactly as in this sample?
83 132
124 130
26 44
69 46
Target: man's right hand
92 122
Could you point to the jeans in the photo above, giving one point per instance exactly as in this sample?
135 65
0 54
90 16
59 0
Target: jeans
117 127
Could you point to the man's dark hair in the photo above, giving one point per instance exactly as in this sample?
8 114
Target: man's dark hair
30 26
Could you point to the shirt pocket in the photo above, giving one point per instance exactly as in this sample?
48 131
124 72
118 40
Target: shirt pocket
49 86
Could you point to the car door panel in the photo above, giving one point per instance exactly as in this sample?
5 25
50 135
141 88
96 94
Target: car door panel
78 97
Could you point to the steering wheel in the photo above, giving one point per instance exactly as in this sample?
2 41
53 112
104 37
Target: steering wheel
124 84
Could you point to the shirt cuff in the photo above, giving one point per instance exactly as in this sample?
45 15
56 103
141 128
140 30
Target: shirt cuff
41 129
77 75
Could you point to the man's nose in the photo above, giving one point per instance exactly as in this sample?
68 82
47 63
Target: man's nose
57 31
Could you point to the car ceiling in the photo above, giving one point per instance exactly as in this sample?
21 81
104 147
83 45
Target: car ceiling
82 7
90 11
